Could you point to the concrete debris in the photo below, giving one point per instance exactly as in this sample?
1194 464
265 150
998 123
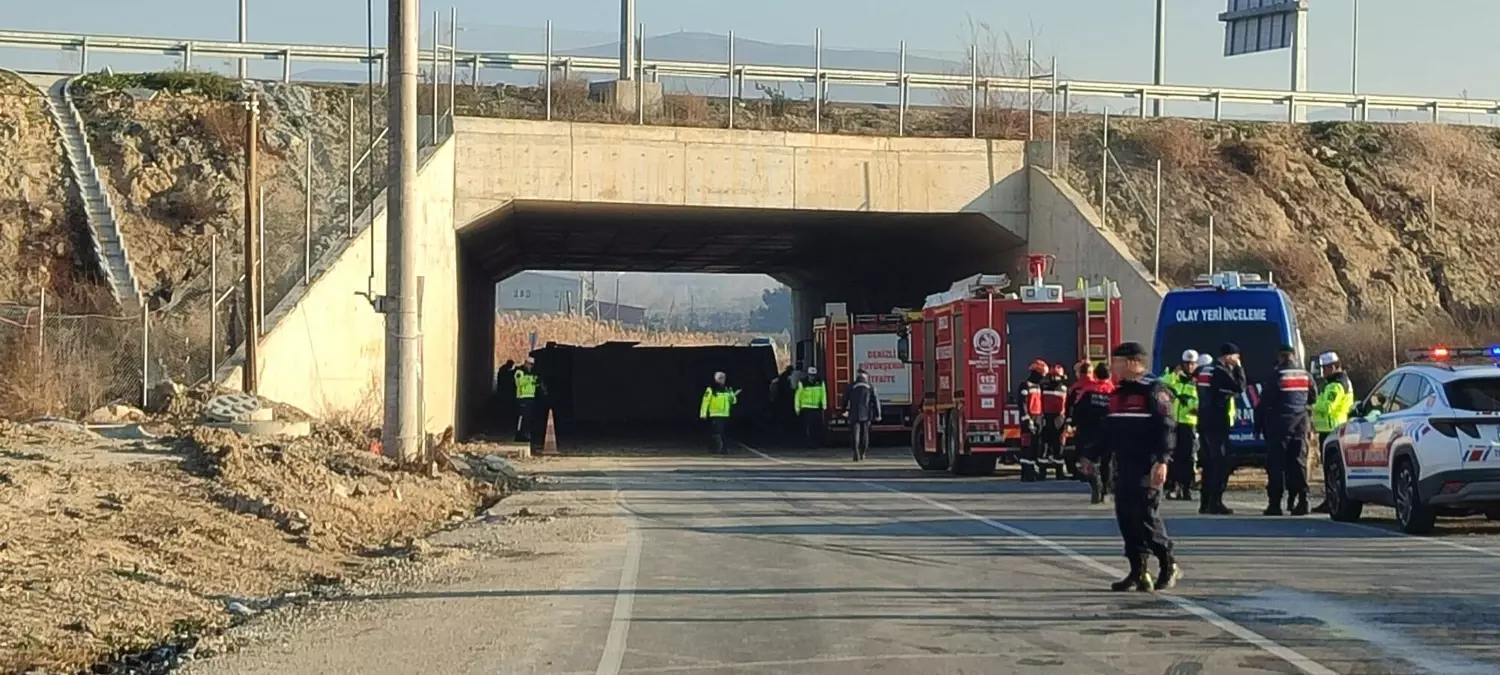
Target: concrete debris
116 413
501 465
233 408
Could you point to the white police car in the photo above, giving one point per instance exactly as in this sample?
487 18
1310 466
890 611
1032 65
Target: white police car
1426 441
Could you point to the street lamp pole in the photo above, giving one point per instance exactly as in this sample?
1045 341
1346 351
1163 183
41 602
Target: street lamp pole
1160 76
244 34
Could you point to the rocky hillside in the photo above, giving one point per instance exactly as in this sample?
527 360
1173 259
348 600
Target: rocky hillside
35 230
1347 216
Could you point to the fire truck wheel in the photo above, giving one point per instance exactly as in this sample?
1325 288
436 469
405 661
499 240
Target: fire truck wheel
958 465
926 460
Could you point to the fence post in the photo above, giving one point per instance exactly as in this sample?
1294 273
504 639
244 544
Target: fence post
817 81
731 79
436 59
640 73
452 65
145 353
349 186
260 262
1156 236
1053 121
548 77
901 93
1030 93
973 91
41 331
1104 176
307 201
213 306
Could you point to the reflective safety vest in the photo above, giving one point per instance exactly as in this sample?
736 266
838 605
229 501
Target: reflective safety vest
526 384
1031 399
1334 403
1184 388
810 396
716 403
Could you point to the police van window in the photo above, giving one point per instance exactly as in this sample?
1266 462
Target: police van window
1477 394
1411 392
1383 393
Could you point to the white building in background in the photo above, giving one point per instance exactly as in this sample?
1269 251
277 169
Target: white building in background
540 293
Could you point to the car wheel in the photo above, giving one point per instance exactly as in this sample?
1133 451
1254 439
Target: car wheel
1412 515
1336 491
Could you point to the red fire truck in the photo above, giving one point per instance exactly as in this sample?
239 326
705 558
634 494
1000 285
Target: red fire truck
844 344
971 353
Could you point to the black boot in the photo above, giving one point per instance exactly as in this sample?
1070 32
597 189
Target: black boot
1321 508
1218 507
1300 506
1138 580
1168 576
1205 503
1096 492
1274 508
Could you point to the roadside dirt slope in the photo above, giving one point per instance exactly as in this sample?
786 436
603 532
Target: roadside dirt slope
1348 216
110 548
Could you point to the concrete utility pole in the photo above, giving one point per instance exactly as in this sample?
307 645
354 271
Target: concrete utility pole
244 33
627 40
1160 76
402 430
250 374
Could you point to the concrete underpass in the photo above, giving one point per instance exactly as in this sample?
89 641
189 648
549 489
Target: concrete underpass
872 261
875 222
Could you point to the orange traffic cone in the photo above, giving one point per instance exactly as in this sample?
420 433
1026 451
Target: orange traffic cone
549 442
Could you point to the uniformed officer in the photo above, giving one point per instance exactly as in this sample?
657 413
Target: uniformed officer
1089 414
1029 400
718 403
1140 432
810 399
1054 404
1184 387
1218 385
527 384
1333 404
1282 418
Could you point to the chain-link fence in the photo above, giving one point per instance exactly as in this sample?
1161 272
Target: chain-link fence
314 204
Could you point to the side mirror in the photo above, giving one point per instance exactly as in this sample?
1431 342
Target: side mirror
903 348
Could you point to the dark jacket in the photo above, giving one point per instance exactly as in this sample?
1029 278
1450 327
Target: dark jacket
1217 387
861 402
1140 430
1285 397
1090 412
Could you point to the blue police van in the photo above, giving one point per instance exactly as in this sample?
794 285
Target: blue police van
1242 308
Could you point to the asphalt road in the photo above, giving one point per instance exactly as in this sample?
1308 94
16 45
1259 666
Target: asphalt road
805 563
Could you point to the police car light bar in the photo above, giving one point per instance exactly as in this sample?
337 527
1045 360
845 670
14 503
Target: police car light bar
1440 353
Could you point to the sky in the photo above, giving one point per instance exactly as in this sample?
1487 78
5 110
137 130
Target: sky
1445 51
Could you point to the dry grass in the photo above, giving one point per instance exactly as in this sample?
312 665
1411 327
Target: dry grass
689 110
513 334
224 125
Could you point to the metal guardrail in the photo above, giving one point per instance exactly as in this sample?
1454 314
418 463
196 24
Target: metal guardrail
188 49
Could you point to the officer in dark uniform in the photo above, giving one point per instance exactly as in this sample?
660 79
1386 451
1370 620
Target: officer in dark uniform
1054 406
1140 432
1282 418
1029 400
1219 383
1089 415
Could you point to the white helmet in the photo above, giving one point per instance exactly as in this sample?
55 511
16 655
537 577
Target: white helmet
1204 359
1190 356
1327 359
812 370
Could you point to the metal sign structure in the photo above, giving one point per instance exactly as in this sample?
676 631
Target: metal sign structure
1254 26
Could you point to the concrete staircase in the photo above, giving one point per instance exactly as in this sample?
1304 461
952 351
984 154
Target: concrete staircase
104 229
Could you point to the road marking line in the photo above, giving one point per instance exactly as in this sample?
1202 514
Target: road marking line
1395 534
619 622
1265 644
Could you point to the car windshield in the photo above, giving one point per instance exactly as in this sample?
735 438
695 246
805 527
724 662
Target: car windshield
1479 394
1258 342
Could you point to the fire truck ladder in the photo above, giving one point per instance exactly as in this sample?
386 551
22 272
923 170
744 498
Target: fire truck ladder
842 361
1098 318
